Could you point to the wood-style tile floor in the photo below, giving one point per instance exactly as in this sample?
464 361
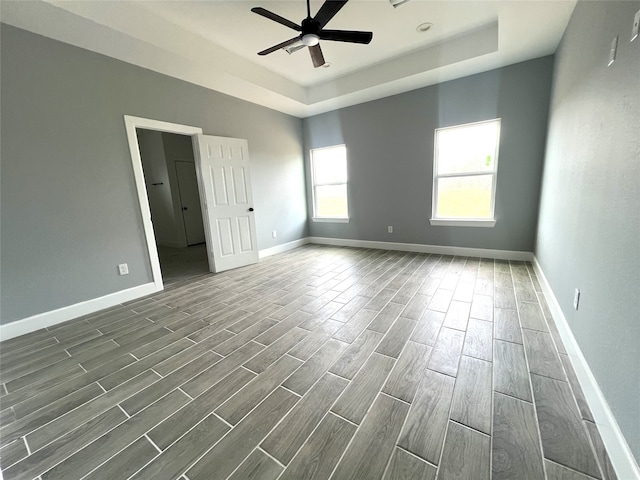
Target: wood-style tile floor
178 264
319 363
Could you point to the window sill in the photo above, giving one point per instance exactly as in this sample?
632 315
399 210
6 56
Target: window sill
330 220
462 223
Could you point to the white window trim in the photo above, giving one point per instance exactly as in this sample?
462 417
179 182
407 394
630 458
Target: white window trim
330 219
313 188
443 222
464 222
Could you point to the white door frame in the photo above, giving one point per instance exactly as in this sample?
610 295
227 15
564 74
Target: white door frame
131 123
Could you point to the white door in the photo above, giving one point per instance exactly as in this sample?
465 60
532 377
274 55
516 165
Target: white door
190 202
225 184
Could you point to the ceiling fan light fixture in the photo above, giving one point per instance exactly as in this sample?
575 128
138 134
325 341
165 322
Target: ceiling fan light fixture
293 48
424 27
310 39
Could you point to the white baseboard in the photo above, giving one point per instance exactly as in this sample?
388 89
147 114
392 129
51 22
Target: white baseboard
48 319
622 459
436 249
267 252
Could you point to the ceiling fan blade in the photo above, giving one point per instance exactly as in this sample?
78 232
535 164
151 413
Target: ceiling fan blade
276 18
316 56
291 41
346 36
327 11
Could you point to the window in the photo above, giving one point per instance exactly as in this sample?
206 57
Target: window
329 177
465 170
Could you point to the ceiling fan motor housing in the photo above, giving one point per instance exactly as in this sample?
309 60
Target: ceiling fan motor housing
310 30
310 26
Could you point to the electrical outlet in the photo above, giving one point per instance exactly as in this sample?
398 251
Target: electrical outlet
636 26
389 229
274 234
576 298
123 269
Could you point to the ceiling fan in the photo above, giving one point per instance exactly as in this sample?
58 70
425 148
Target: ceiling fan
312 31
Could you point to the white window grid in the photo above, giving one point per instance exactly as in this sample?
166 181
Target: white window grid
493 173
313 181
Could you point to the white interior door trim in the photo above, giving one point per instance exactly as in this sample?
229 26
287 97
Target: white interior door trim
131 123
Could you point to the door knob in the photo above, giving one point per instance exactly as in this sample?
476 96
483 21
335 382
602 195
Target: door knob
251 209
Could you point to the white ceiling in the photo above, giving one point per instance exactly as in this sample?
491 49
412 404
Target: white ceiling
215 43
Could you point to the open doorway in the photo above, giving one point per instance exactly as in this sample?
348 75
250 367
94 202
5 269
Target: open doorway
224 191
168 163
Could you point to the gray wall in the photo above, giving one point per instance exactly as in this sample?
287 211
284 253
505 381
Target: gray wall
390 154
69 207
589 226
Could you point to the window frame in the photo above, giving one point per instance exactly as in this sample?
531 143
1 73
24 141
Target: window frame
314 185
471 221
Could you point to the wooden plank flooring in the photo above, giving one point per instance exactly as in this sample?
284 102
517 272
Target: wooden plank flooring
319 363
